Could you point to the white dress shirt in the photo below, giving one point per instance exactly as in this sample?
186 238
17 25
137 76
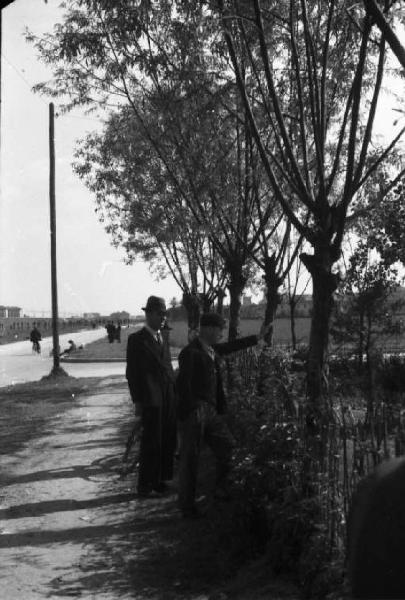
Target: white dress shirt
155 334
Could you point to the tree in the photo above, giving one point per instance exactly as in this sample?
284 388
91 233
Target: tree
150 57
143 213
297 284
388 233
365 311
337 65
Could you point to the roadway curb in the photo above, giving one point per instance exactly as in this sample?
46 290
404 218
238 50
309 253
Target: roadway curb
68 359
92 360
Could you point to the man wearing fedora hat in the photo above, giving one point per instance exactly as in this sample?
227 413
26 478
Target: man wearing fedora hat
151 383
201 407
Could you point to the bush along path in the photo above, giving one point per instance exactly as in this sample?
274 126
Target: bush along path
71 525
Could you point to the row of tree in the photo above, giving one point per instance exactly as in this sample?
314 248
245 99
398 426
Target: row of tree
237 142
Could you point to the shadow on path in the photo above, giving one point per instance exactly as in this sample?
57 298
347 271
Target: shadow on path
154 555
121 547
37 509
86 472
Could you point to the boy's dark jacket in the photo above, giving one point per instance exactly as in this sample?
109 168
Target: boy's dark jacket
199 378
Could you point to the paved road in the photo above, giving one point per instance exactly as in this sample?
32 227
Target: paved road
19 364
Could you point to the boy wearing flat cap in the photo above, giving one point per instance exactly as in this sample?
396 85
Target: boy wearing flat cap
151 383
201 408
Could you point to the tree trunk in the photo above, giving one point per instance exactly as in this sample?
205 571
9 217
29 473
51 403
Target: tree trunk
293 305
220 301
317 411
237 282
368 344
273 283
205 302
324 283
192 305
361 340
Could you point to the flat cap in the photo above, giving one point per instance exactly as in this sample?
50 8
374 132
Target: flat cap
155 303
212 320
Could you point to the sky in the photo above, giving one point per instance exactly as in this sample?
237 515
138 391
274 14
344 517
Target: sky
92 276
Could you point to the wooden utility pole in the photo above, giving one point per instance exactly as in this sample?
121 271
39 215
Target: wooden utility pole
4 3
1 60
55 334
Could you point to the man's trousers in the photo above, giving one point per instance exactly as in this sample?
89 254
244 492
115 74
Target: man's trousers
203 425
158 444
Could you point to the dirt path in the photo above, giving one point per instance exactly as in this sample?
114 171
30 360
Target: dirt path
71 527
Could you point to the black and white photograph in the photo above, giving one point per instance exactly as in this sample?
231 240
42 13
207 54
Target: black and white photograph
202 299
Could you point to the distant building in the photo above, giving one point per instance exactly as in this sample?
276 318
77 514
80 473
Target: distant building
120 316
91 315
10 312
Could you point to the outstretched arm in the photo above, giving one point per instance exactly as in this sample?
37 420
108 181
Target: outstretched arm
241 343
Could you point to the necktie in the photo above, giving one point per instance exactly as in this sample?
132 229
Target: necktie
158 338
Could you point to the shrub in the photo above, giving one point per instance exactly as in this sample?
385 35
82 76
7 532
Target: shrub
391 374
268 466
288 503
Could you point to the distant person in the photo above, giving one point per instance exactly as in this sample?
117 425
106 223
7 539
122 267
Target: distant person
118 333
36 337
150 378
110 327
71 348
201 408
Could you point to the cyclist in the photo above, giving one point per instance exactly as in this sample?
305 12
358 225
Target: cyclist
35 337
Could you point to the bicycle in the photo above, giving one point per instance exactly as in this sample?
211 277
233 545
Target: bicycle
133 438
36 347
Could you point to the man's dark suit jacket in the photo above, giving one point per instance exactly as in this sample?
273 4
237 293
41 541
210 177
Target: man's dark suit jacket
199 379
149 369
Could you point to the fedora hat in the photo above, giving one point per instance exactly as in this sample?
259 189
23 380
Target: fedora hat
155 303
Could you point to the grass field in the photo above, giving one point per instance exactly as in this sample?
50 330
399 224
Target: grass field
102 349
282 331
